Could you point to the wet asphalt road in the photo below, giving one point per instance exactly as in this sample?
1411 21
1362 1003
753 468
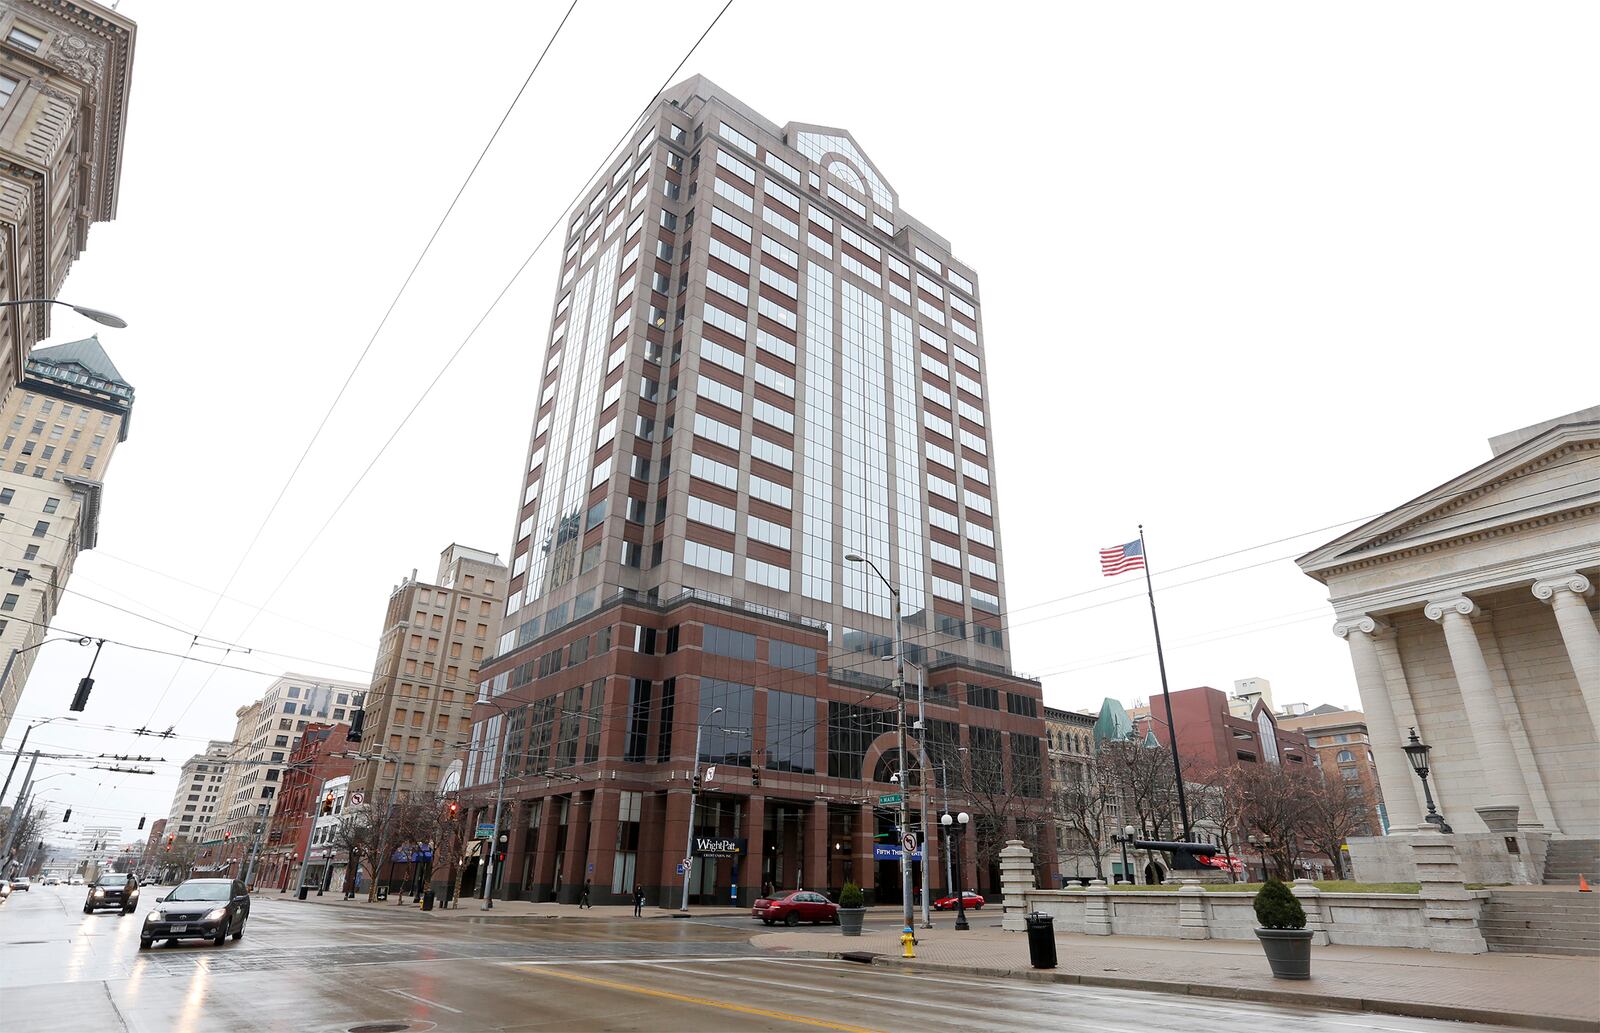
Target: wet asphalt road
302 967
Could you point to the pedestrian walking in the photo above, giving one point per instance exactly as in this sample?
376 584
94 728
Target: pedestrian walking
638 901
583 896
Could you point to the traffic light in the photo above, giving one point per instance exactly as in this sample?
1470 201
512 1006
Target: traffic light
226 835
81 698
141 821
327 804
755 776
67 816
694 783
358 720
171 838
455 810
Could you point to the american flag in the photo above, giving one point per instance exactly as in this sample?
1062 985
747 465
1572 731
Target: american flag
1119 559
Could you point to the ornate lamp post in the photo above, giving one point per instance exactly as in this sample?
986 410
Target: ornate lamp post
1261 843
1125 837
957 823
1417 753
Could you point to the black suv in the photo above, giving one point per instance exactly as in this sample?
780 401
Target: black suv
199 909
112 891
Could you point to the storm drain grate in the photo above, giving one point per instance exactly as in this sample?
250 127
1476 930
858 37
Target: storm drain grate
381 1027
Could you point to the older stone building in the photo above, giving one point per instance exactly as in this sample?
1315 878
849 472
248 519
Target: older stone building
58 431
419 705
65 71
1468 616
1069 741
1340 743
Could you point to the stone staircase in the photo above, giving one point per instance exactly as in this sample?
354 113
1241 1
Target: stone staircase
1569 858
1535 921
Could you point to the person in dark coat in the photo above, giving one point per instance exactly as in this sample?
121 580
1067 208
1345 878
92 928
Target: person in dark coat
583 896
638 901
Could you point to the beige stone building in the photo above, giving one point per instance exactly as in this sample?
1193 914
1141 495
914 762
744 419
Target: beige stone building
419 706
1469 616
65 71
59 427
197 800
1069 742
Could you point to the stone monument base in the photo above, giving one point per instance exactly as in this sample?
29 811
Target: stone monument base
1486 858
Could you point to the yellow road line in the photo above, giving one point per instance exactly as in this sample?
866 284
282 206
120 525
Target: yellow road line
782 1016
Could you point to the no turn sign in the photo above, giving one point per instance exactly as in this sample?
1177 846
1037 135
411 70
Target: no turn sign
908 842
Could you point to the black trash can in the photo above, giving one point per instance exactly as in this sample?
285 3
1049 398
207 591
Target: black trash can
383 893
1041 940
302 893
427 900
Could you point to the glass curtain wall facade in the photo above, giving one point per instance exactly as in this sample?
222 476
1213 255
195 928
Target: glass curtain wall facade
758 365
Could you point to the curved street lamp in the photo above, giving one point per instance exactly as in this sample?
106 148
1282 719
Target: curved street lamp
99 316
24 744
694 792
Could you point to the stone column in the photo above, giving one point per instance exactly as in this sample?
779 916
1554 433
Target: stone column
1192 911
1505 795
753 863
1394 771
1310 898
1449 910
1097 909
1016 878
1565 594
815 875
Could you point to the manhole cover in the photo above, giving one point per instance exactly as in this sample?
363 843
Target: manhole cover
381 1027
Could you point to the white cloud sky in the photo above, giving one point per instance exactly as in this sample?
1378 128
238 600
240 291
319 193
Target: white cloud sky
1247 270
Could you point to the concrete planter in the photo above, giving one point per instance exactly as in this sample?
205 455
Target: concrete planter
1500 820
850 920
1288 952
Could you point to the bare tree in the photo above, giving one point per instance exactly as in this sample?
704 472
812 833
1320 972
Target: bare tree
1141 777
1002 807
1274 801
355 835
1086 807
1217 807
1331 816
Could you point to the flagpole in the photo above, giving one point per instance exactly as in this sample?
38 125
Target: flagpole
1166 694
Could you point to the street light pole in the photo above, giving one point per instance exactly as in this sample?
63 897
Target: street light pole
487 894
957 823
900 730
694 791
23 745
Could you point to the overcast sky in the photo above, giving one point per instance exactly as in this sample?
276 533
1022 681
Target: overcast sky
1248 271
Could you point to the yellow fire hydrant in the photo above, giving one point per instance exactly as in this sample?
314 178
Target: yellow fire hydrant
908 941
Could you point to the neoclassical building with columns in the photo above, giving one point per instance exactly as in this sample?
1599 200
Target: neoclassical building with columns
1469 614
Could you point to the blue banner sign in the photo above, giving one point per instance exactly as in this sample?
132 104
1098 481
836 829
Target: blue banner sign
884 852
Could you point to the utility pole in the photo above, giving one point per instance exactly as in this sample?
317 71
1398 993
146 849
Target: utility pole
900 704
383 832
694 791
924 770
12 824
494 841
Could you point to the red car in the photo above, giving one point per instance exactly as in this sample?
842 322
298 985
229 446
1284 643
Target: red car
794 908
969 901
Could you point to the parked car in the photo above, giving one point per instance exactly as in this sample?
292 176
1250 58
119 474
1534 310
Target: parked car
21 883
796 907
112 891
77 880
969 901
198 909
52 881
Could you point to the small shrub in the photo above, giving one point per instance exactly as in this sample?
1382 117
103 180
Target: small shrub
1276 907
851 896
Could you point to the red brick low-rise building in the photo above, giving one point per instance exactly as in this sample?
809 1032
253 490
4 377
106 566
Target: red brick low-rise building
323 754
1211 738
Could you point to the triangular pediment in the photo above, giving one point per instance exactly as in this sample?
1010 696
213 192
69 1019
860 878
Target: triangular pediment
1553 473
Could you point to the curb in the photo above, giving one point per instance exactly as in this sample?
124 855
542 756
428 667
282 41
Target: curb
1258 995
385 908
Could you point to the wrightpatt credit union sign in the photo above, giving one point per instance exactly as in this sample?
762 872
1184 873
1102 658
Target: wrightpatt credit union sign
718 846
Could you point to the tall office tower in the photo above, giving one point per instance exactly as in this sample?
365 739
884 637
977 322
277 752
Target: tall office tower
765 383
419 704
59 429
66 67
197 800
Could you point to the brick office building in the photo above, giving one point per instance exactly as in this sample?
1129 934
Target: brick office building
759 367
1211 737
324 753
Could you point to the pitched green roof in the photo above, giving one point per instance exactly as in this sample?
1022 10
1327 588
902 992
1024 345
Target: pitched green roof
86 353
1113 724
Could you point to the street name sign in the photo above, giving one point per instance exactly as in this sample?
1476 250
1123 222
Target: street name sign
485 831
888 798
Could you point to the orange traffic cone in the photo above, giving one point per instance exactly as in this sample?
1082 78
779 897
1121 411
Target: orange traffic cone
1583 884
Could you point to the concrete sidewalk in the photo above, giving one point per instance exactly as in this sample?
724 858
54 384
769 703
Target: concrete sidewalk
472 907
1528 991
